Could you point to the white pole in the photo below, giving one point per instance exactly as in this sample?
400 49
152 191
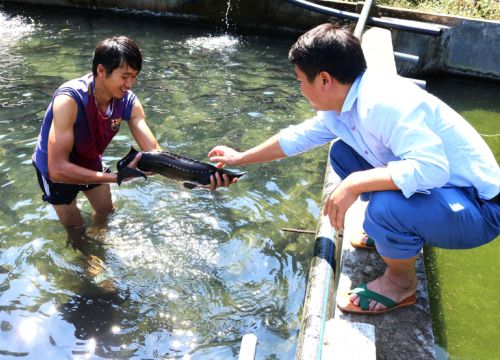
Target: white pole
248 346
360 26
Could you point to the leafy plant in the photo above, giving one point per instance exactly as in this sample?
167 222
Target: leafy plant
482 9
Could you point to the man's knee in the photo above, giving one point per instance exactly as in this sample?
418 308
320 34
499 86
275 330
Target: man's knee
106 211
69 216
391 210
104 208
388 221
345 160
384 206
100 199
338 152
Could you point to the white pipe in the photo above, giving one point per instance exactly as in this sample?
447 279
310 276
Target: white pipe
248 347
360 25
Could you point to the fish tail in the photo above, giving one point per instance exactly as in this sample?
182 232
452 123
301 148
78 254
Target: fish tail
128 173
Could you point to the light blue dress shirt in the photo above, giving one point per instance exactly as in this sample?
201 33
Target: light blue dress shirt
393 123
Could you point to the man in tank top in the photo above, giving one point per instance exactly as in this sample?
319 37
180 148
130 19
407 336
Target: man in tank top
81 120
429 177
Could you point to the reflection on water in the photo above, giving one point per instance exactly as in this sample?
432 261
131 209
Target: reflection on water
173 273
13 28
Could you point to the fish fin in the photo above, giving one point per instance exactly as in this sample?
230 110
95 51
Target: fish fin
189 185
129 173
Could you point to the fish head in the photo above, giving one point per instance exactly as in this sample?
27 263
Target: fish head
234 174
239 174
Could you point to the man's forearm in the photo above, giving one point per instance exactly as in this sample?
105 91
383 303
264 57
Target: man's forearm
143 135
267 151
70 173
377 179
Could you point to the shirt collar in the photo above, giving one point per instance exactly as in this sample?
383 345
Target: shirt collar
352 95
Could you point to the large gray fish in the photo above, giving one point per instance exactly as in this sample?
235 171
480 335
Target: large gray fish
190 172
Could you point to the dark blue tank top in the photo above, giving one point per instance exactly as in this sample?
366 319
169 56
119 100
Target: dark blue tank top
92 131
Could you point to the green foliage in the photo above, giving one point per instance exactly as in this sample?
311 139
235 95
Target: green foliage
482 9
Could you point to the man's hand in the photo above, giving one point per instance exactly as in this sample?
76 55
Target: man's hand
338 202
344 195
130 171
225 155
217 181
135 161
133 164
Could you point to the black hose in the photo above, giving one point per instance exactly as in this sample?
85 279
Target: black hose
387 23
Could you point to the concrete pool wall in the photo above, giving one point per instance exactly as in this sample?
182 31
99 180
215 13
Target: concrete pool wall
466 47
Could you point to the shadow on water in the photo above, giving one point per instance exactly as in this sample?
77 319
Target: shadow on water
473 94
94 318
102 301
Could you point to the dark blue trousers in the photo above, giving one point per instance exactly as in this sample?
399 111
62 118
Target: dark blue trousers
448 217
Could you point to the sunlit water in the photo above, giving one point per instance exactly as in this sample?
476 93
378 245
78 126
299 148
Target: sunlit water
194 270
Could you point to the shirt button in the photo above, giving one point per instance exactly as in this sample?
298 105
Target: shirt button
353 128
366 152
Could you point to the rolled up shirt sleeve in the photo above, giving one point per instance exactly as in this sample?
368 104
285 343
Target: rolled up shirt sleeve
422 164
307 135
413 177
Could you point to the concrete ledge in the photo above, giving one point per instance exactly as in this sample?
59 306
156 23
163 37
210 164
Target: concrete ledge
340 335
403 334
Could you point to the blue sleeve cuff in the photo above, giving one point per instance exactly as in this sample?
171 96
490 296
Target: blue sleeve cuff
402 173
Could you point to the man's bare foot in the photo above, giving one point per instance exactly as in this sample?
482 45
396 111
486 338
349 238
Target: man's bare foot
364 238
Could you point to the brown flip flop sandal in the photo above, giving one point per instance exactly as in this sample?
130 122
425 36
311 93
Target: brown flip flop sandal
358 243
365 296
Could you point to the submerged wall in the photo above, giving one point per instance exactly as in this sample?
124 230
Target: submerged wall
468 47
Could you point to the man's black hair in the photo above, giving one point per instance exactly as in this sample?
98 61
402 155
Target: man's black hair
329 48
115 52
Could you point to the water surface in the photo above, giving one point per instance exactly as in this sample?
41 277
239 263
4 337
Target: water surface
194 270
464 283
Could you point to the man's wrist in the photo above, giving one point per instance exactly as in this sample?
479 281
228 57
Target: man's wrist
354 183
107 177
241 158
